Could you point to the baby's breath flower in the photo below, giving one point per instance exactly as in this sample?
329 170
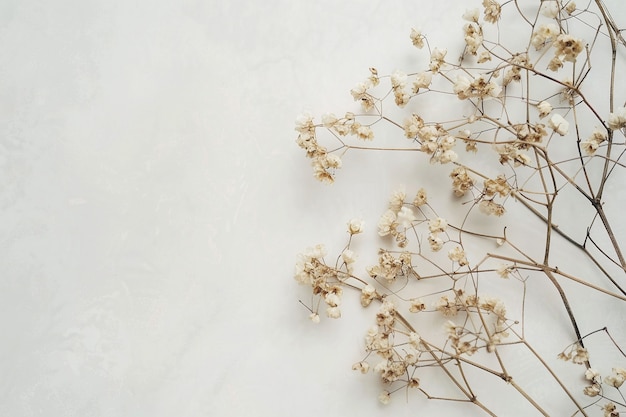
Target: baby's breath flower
396 201
471 15
544 109
458 255
365 133
332 299
304 123
504 270
420 198
329 119
580 355
544 35
386 223
437 225
314 317
473 37
448 308
483 57
555 64
398 79
406 217
435 242
437 59
417 305
368 293
333 312
361 366
417 38
550 9
355 226
490 207
492 10
414 340
498 186
422 80
591 374
567 47
570 7
590 147
359 93
384 397
610 410
558 124
617 120
617 378
461 181
592 390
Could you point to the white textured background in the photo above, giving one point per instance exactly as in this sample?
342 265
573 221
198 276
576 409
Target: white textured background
153 200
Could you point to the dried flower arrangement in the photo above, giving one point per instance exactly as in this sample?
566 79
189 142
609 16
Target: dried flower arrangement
542 122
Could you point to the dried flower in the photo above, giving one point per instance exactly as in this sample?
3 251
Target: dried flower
492 10
362 366
417 38
384 397
355 226
420 198
550 9
617 120
558 124
544 109
592 390
617 378
406 216
471 15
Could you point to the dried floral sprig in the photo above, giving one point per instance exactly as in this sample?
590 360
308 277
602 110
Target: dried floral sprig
526 109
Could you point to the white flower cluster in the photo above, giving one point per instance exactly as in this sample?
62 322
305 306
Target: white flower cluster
465 341
325 281
591 145
617 120
397 218
390 267
477 87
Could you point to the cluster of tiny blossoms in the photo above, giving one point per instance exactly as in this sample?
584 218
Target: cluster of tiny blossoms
486 79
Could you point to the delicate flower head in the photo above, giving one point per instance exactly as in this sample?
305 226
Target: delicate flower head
492 10
550 9
473 37
355 226
417 305
435 242
384 397
417 38
333 312
396 201
544 109
617 120
406 217
458 255
591 374
558 124
437 59
437 225
592 390
420 198
422 80
617 378
570 7
386 223
567 47
544 35
314 317
361 366
471 15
